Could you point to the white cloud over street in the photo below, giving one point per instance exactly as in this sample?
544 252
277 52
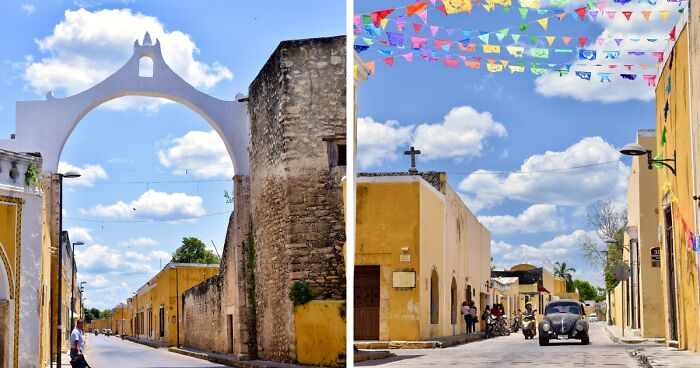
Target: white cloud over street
534 219
139 242
89 174
199 153
483 189
151 205
460 135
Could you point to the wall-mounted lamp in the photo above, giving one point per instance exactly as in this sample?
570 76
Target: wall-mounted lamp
633 149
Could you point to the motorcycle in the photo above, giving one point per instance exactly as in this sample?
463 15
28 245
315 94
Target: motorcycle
496 327
528 326
515 326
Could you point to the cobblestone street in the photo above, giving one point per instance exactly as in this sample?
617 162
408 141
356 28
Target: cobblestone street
515 351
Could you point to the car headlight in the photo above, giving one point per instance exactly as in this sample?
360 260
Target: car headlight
545 327
579 326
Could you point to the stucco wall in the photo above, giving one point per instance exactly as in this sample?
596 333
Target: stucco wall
679 188
320 332
432 257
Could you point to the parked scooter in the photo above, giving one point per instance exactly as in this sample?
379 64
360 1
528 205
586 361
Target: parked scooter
529 326
515 326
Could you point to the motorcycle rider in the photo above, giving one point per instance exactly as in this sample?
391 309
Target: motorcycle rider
529 312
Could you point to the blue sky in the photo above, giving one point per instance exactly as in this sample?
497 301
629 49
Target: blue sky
144 161
471 123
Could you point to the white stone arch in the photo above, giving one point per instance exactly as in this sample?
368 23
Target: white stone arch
45 125
5 286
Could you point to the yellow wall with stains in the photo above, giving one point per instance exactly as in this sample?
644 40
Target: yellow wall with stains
320 332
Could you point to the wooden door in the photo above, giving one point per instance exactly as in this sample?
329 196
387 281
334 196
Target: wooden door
671 277
366 303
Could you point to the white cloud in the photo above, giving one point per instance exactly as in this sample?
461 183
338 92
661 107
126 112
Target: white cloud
100 259
139 242
28 9
536 218
151 205
378 142
86 47
567 187
461 134
500 247
80 234
563 248
89 174
552 85
197 153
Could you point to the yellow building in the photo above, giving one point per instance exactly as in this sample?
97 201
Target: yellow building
120 319
506 291
157 306
677 208
419 254
641 293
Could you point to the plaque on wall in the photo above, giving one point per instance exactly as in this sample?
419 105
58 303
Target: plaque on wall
404 279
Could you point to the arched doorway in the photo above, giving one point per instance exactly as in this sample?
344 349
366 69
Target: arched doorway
453 302
434 298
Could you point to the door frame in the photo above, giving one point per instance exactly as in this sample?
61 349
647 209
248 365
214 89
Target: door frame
377 269
671 291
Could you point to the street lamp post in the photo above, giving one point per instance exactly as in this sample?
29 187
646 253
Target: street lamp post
82 301
59 338
72 285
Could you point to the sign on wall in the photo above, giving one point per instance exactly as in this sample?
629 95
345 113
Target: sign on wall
404 279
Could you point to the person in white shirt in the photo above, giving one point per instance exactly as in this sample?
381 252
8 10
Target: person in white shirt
467 315
77 343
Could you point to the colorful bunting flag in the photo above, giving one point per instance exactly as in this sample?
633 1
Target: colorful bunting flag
491 49
389 61
543 22
581 12
627 14
457 6
516 51
550 39
415 8
379 15
664 14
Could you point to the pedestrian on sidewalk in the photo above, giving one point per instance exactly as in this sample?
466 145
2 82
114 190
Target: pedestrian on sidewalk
475 317
77 346
467 316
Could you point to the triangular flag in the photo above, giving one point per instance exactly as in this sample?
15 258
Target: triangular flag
593 14
417 26
415 8
357 20
627 14
389 61
354 71
423 16
484 37
618 41
505 63
581 12
610 13
408 56
384 22
442 9
629 66
646 14
550 39
515 37
370 67
489 7
523 12
543 22
664 14
368 41
600 40
566 40
582 41
500 36
379 15
561 16
400 22
601 5
672 34
434 30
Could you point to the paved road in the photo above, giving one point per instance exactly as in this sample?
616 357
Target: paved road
111 352
515 351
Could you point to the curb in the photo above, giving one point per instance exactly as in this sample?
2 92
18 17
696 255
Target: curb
230 362
150 344
433 344
364 355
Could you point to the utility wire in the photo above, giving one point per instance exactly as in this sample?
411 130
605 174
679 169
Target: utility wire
536 171
144 221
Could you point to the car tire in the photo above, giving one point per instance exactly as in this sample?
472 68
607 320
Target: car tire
544 341
585 340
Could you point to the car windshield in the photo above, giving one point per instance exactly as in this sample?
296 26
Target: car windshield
569 307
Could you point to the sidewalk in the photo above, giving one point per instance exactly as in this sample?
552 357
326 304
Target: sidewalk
441 342
651 353
229 359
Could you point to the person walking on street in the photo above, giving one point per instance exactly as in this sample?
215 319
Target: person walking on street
467 316
77 346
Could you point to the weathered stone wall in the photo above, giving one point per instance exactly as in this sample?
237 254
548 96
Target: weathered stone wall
296 101
206 307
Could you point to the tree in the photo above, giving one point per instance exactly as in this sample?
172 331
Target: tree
193 250
609 224
91 314
561 270
586 291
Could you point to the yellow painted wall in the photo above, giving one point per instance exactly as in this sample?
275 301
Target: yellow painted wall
432 257
320 332
45 301
387 220
680 189
166 289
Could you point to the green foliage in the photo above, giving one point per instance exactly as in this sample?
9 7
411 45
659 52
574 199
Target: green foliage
193 250
561 270
300 293
614 257
32 178
91 314
586 291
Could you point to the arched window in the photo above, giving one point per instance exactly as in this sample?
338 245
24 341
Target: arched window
434 298
146 67
454 305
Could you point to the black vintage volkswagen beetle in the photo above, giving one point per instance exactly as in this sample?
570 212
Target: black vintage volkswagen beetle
564 319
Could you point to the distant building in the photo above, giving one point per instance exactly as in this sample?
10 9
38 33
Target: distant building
419 254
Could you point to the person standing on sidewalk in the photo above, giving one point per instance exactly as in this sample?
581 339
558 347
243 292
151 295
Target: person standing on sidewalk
475 317
467 316
77 343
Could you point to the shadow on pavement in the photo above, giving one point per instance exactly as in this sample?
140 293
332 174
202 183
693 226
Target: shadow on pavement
387 360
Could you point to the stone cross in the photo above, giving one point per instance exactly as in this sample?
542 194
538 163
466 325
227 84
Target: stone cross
412 152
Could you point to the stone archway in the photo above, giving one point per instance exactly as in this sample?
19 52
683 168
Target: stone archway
45 125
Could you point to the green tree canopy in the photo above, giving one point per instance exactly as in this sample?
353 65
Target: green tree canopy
193 250
91 313
586 291
565 272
